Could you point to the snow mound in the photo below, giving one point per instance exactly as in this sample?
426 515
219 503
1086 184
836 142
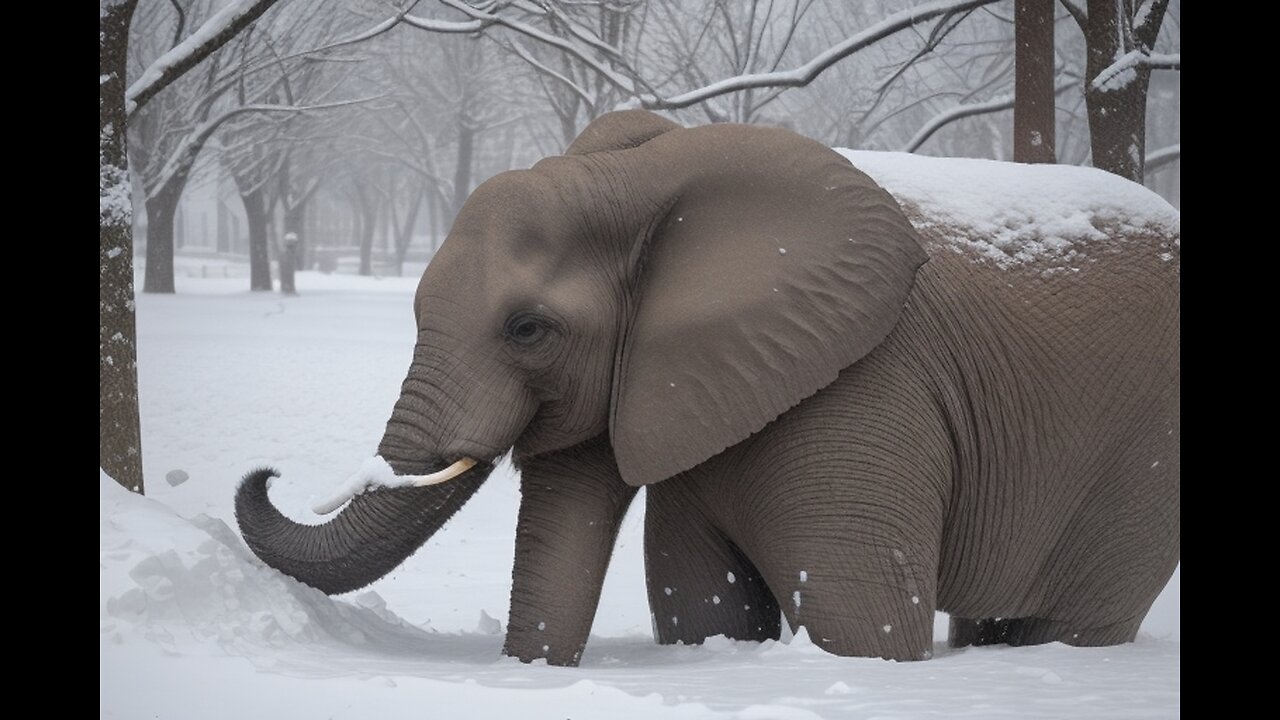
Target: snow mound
1013 213
163 575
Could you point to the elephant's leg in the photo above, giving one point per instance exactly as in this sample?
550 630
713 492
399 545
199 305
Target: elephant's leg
1115 555
700 585
857 599
1037 631
963 632
572 505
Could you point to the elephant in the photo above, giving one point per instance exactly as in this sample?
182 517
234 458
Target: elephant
847 413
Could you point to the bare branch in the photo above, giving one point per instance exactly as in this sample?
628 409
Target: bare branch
1077 12
442 26
805 74
1146 26
487 17
1162 158
182 23
940 31
959 112
186 152
523 52
210 36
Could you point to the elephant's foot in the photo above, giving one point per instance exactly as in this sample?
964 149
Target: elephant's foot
858 599
700 585
1037 631
964 632
873 629
528 646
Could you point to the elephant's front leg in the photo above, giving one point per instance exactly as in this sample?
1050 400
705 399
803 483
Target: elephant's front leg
699 584
572 505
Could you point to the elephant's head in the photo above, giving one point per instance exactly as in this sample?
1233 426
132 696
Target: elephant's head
671 289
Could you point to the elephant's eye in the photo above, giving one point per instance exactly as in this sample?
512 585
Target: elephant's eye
525 328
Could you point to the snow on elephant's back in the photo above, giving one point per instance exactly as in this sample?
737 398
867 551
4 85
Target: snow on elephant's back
1015 214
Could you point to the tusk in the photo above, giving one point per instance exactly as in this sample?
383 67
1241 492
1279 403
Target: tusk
376 472
446 474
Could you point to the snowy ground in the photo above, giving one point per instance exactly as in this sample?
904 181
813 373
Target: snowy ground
193 626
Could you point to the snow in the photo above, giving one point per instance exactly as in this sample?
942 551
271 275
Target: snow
373 472
193 626
1012 213
1119 74
115 206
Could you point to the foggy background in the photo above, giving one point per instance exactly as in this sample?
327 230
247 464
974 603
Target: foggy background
362 126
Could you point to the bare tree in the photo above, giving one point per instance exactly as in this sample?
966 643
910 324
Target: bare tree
1120 39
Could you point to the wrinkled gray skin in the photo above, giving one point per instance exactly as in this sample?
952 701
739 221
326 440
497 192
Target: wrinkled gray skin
828 424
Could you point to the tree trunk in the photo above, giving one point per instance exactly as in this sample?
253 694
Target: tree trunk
435 208
404 236
162 209
288 262
368 222
1118 107
1033 105
462 173
255 211
119 431
1118 127
294 216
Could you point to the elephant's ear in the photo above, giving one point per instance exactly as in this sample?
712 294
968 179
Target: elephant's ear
777 266
619 130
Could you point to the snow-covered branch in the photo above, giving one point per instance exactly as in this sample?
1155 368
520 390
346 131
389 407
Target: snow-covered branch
959 112
520 50
1119 73
210 36
587 47
441 26
1162 157
586 55
803 75
185 154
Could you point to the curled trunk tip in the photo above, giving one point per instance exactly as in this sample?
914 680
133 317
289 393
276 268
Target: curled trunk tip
372 535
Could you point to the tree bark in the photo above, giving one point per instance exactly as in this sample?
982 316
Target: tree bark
1118 107
1033 106
119 430
162 209
255 211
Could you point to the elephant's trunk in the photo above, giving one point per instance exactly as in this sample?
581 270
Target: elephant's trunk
371 536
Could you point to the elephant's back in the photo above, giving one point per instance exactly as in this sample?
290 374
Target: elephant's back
1025 219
